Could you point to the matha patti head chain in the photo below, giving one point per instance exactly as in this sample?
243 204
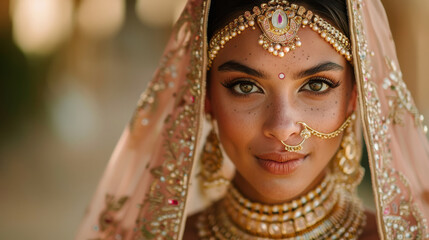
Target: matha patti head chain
279 22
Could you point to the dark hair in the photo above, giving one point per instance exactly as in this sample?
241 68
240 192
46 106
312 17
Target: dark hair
224 11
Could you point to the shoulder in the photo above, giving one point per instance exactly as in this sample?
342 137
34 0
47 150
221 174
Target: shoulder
370 231
191 230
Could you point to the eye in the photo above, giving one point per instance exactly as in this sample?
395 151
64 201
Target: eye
245 88
319 85
242 88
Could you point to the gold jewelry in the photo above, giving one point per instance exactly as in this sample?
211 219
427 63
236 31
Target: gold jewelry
211 161
301 213
339 216
307 132
279 22
346 164
318 195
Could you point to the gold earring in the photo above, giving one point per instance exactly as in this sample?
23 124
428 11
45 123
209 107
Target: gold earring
346 163
211 162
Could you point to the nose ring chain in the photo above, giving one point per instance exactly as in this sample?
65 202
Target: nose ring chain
307 132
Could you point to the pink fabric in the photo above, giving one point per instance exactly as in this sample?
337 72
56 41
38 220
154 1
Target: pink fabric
398 148
157 148
144 191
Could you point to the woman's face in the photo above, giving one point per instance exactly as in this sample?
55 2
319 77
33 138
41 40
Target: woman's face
257 100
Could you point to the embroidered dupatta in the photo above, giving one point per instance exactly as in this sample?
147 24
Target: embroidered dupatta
145 190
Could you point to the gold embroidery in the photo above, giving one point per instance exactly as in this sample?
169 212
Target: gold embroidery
106 221
402 100
162 211
400 218
167 69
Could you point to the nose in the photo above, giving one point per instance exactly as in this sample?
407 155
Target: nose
281 123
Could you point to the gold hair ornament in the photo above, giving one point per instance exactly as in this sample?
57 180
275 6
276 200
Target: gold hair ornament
279 22
307 132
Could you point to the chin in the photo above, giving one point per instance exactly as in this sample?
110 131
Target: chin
272 186
280 190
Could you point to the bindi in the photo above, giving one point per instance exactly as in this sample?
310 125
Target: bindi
281 76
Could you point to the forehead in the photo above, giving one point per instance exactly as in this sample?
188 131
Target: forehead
245 49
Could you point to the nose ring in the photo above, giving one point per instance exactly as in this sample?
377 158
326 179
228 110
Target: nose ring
307 132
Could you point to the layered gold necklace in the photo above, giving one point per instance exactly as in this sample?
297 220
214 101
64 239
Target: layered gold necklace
327 212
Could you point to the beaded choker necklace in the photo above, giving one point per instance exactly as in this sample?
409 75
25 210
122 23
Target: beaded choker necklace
327 212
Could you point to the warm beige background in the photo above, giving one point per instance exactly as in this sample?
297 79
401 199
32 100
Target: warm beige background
68 89
411 34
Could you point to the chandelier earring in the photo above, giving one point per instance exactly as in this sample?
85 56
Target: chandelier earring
347 160
212 161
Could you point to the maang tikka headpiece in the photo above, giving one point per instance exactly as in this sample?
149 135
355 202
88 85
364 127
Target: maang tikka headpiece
279 22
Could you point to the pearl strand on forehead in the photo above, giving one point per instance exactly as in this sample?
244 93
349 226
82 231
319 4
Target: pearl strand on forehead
279 22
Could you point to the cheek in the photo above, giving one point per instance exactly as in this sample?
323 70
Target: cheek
331 114
328 114
237 125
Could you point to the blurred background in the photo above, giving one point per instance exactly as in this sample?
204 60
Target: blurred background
71 72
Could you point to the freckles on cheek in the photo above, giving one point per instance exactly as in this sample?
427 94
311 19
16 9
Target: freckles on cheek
233 119
326 115
232 116
232 128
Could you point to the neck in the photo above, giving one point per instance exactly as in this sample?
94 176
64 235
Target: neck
246 189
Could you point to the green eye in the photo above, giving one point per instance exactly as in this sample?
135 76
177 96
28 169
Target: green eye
317 86
245 88
242 87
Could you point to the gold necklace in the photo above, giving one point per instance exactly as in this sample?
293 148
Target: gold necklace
327 212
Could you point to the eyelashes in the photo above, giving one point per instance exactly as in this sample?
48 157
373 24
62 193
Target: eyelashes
246 87
319 85
242 87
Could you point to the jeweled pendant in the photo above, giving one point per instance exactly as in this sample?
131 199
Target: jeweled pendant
280 27
279 19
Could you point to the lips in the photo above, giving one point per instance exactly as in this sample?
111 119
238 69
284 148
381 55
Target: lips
281 157
280 163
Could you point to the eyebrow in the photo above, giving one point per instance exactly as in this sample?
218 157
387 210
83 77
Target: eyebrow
322 67
234 66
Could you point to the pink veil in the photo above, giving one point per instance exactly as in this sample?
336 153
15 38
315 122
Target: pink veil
144 192
394 134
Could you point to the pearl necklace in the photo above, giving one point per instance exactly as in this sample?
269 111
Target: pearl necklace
327 212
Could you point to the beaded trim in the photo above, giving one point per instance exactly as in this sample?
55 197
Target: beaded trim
280 22
399 217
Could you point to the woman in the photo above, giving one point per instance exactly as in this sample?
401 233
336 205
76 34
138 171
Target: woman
288 86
